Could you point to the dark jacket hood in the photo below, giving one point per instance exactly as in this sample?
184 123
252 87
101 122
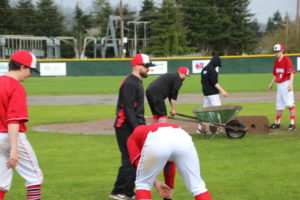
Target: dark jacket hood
215 62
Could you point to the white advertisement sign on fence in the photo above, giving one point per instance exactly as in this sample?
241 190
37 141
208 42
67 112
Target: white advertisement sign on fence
3 68
198 65
53 69
160 68
298 63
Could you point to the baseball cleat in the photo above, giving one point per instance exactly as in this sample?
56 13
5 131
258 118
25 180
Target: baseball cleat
120 197
291 127
274 126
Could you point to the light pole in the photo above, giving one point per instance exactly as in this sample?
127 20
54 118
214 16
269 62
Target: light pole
121 29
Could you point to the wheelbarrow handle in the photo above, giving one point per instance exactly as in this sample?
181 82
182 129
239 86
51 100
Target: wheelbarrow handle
187 116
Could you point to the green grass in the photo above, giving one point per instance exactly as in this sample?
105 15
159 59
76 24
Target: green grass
84 167
110 84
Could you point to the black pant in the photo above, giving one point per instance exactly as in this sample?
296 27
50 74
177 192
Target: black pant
125 181
157 104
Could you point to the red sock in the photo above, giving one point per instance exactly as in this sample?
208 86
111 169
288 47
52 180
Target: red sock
155 119
2 194
162 119
203 196
143 195
34 192
292 115
169 174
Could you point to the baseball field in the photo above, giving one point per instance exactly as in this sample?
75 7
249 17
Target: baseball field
84 167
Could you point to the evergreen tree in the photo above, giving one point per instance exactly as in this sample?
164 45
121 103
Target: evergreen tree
82 23
26 19
102 10
219 27
170 32
242 37
147 13
274 23
6 17
50 19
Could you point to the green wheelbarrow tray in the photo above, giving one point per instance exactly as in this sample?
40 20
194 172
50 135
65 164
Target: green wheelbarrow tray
216 114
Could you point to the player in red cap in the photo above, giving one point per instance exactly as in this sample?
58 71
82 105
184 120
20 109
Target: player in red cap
165 86
130 114
15 150
283 72
157 147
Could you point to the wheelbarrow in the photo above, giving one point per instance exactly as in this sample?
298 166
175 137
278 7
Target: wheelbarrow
217 117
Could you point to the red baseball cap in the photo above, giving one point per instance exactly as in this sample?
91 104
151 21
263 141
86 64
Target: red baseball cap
142 59
278 48
25 58
184 70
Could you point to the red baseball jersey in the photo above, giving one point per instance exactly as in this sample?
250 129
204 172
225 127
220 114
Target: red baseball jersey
282 69
137 139
13 104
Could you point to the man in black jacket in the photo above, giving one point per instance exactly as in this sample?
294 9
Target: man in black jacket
211 86
165 86
130 114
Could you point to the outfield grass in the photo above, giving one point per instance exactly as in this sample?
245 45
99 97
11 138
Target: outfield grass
84 167
110 84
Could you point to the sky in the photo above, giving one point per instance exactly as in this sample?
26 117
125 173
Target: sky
263 9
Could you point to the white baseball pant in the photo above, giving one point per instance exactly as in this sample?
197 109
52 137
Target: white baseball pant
284 98
211 100
27 167
171 144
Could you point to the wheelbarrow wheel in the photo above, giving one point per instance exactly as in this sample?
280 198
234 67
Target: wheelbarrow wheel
237 132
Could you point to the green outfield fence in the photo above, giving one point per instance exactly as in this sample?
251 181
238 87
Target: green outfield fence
118 67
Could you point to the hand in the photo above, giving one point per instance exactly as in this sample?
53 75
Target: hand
290 87
224 94
172 113
163 190
14 159
270 87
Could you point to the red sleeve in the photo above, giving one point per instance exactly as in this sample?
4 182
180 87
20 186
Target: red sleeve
135 144
290 68
134 151
17 106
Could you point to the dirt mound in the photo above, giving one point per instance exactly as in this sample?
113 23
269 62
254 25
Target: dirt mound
255 124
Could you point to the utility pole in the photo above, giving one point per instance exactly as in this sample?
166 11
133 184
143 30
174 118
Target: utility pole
121 29
297 18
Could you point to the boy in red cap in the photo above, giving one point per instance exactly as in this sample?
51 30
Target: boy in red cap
165 86
130 114
15 150
283 72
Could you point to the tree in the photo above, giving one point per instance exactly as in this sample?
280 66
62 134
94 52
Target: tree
219 27
147 13
50 19
102 10
274 23
82 23
6 17
242 37
286 36
170 33
26 19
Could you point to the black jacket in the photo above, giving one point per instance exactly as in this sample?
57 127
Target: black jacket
209 77
167 85
130 107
